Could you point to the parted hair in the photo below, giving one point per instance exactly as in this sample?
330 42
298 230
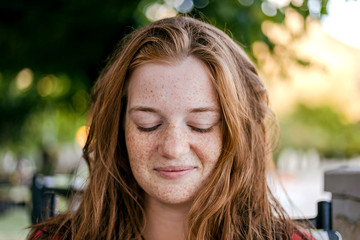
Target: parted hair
236 202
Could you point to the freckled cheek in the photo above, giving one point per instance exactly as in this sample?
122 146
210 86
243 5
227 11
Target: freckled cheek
140 147
209 149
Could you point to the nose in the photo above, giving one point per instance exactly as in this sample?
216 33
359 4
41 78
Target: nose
174 143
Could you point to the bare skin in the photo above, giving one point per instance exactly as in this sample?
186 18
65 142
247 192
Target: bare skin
165 221
173 138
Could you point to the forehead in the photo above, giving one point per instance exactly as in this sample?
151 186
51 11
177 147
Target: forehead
183 82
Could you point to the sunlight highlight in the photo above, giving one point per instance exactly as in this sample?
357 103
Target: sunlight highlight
158 11
24 79
81 135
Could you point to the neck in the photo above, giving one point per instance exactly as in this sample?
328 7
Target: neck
165 221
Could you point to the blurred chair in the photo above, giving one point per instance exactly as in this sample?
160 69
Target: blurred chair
45 200
322 222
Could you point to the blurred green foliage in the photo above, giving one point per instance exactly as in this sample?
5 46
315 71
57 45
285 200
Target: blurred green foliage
321 128
61 46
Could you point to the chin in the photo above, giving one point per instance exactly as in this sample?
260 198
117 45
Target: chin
174 195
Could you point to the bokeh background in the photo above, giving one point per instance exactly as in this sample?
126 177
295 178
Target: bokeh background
51 52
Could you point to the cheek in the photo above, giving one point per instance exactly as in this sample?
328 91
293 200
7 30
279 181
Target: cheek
209 148
139 147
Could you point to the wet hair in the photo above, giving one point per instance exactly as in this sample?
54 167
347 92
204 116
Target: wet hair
236 202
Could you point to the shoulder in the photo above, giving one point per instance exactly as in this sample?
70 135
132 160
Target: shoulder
306 235
55 228
40 234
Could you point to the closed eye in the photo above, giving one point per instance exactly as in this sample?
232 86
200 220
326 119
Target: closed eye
201 130
143 129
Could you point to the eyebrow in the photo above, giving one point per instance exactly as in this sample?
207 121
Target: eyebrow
204 109
143 109
193 110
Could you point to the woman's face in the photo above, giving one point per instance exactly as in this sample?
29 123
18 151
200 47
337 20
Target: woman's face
172 129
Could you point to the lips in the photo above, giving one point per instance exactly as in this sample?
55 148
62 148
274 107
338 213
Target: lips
174 172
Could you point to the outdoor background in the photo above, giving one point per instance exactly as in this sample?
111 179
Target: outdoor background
51 52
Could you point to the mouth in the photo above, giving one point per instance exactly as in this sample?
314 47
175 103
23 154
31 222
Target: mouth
174 172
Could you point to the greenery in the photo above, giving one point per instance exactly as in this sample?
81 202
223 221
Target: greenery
52 52
321 128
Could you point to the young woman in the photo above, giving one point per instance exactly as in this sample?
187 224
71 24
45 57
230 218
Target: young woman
179 144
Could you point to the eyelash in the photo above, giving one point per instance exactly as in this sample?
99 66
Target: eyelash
200 130
148 129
